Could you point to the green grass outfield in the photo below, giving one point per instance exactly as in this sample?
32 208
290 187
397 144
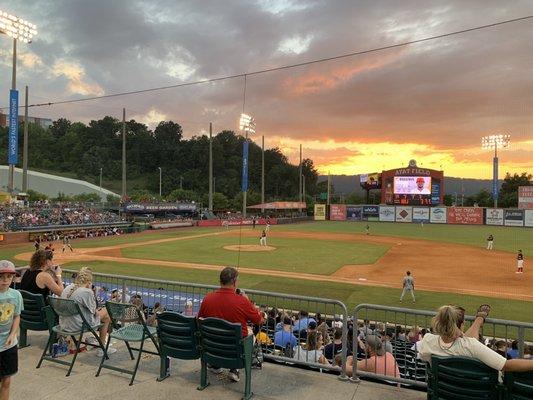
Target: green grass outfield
310 256
505 238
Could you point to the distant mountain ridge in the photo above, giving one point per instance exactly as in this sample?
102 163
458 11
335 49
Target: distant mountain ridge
346 184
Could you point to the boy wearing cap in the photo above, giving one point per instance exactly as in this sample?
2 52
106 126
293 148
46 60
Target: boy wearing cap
10 307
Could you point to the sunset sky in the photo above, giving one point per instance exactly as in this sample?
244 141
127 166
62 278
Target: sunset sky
431 102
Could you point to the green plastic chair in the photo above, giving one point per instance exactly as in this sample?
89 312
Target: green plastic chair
65 308
462 378
33 317
518 385
129 326
222 345
178 337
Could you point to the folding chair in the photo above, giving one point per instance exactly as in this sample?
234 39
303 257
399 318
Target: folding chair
129 326
33 317
65 308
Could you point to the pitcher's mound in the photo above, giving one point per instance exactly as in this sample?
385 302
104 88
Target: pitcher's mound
249 247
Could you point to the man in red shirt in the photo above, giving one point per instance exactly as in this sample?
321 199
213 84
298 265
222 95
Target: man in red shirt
232 305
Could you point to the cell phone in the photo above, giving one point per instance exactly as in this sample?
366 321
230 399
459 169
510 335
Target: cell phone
238 291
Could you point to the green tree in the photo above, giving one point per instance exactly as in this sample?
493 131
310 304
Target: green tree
508 196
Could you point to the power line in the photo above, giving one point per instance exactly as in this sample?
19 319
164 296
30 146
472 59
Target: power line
284 67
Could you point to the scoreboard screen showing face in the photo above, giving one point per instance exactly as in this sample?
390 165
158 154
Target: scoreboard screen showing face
412 190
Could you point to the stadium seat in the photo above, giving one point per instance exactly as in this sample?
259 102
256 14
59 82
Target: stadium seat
518 385
222 345
178 337
461 378
67 308
33 317
128 325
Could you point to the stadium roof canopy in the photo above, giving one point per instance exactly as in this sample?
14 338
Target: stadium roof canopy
280 205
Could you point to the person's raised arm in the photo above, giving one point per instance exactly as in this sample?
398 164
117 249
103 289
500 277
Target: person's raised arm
48 281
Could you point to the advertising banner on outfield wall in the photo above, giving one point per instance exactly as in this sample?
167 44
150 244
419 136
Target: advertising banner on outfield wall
437 215
465 215
337 212
386 213
404 214
354 213
371 213
528 218
525 197
513 217
494 216
420 214
320 212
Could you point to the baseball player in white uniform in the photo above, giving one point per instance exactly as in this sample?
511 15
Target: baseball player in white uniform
520 262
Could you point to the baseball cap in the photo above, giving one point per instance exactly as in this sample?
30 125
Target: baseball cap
7 267
312 325
374 342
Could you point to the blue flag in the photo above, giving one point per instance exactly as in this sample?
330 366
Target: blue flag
13 135
245 166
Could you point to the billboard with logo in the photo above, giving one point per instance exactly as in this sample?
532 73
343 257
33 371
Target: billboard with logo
354 213
465 215
404 214
525 197
386 213
494 216
420 214
528 217
320 212
513 217
437 215
371 213
337 212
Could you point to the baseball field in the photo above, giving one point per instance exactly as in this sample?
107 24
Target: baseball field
329 259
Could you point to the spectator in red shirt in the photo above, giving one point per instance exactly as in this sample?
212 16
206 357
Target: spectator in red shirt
232 305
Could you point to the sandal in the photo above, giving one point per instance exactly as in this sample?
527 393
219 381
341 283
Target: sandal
483 311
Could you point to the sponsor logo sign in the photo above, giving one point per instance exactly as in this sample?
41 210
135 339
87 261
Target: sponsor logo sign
13 133
528 217
139 207
404 214
494 216
354 213
371 213
386 213
513 217
320 212
465 215
420 214
437 215
337 212
525 197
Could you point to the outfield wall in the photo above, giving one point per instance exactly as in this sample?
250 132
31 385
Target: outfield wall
434 215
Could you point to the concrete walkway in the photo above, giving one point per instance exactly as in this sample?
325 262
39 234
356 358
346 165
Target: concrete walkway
272 382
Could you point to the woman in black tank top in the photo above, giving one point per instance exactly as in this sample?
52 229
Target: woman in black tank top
43 270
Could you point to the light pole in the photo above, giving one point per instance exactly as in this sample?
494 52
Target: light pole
101 169
495 142
246 125
22 30
160 176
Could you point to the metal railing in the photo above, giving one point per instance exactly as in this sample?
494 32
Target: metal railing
404 326
186 298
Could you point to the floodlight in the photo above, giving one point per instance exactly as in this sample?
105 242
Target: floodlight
247 123
495 142
17 28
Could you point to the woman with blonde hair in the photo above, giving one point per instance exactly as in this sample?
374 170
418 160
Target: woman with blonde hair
43 277
448 339
81 292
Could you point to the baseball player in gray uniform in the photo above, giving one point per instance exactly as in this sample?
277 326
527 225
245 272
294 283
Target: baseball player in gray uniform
408 285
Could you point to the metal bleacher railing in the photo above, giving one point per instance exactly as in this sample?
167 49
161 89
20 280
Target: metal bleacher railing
328 314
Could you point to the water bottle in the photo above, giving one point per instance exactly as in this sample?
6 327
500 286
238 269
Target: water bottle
55 349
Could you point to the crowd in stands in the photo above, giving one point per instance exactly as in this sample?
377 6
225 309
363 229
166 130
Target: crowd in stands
15 217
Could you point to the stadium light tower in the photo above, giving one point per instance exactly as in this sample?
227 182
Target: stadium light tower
22 30
247 126
495 142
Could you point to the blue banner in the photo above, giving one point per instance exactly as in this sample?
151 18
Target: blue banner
13 135
495 178
245 166
435 194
